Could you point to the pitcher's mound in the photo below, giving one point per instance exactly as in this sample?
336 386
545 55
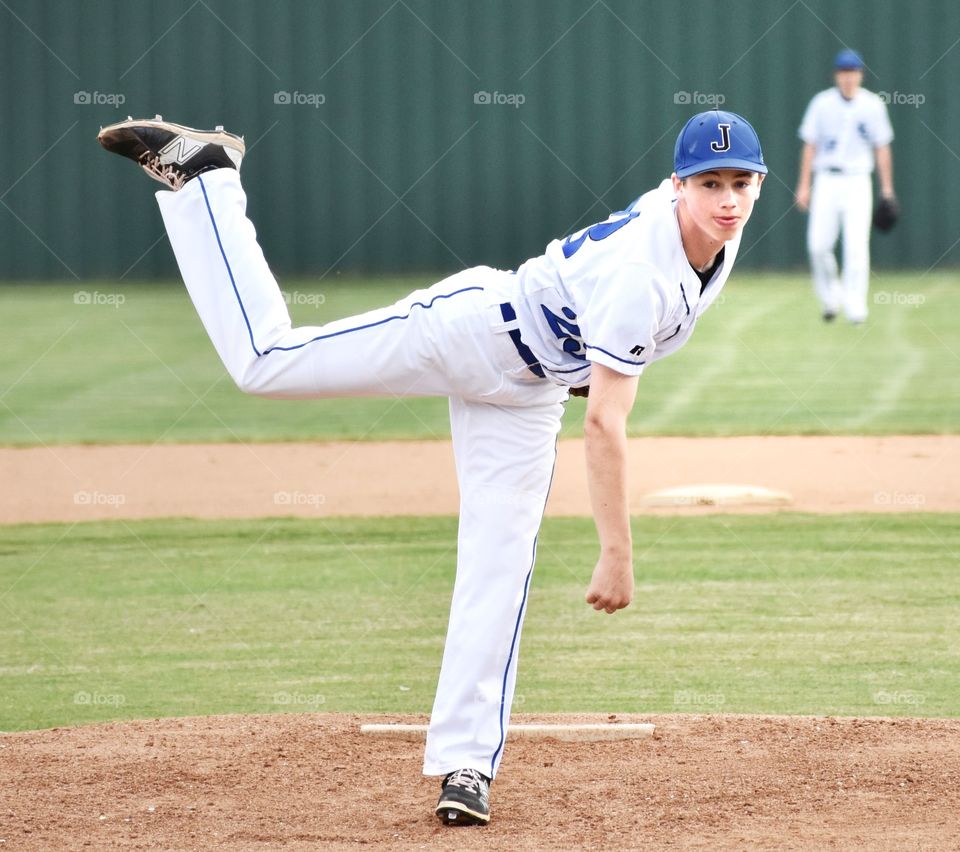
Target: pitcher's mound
313 781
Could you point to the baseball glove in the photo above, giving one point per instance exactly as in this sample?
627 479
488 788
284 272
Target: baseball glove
886 214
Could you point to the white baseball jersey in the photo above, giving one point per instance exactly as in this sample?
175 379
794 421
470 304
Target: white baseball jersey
620 293
846 132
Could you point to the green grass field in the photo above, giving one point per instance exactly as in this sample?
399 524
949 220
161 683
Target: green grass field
853 614
761 362
856 614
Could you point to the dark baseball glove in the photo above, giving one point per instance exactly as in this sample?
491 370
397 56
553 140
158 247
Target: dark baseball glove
886 214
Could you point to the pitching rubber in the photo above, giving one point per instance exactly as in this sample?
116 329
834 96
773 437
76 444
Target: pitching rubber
565 732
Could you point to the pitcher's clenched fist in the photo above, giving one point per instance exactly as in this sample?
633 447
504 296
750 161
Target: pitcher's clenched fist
611 587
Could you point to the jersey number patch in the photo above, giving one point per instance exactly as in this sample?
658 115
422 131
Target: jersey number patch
566 329
596 233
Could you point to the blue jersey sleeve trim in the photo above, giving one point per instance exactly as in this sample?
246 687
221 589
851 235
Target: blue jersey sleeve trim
675 333
243 310
574 370
616 357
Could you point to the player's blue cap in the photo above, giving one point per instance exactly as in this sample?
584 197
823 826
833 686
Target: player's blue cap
717 140
848 60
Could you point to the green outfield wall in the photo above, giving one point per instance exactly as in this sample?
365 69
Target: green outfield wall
414 135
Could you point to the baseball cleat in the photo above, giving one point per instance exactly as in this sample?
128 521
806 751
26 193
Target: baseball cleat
464 798
171 153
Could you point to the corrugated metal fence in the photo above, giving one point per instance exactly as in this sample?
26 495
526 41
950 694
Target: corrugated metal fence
395 135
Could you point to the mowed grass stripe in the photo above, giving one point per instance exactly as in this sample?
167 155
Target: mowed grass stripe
789 613
761 361
893 388
722 359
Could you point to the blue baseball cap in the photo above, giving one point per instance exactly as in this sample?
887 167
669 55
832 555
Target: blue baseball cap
717 140
848 60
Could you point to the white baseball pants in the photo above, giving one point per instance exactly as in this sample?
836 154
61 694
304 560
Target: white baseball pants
447 340
840 202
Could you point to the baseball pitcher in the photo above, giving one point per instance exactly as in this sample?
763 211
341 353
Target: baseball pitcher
507 348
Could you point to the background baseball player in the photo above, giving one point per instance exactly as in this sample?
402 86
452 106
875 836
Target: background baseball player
507 348
844 130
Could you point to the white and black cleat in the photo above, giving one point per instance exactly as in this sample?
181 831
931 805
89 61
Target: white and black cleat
171 153
464 798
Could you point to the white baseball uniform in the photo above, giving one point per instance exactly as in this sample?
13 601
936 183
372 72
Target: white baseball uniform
502 346
845 134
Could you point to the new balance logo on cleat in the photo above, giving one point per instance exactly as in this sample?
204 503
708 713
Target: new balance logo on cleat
171 153
179 150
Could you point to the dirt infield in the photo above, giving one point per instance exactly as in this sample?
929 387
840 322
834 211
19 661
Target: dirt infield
824 474
312 781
